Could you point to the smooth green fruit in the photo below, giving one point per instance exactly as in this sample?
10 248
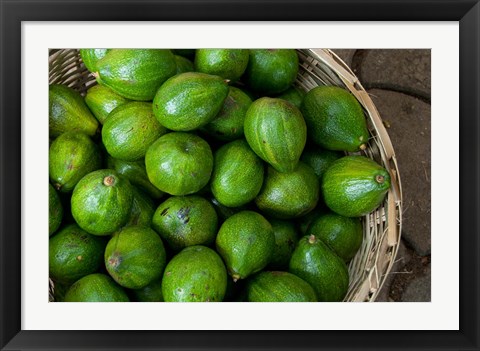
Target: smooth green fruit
179 163
189 100
237 174
130 130
150 293
90 57
226 63
102 100
183 64
186 221
73 254
68 112
228 124
135 257
96 287
315 263
279 287
196 274
286 238
271 71
354 186
142 210
71 156
101 202
293 95
343 235
55 210
136 74
289 195
136 173
276 131
335 119
246 243
319 159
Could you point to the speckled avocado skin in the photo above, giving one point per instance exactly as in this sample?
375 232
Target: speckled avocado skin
354 186
196 274
102 100
96 287
90 57
55 210
226 63
246 242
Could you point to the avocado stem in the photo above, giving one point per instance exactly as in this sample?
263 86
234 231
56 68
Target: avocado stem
57 186
312 239
362 147
109 180
235 277
379 178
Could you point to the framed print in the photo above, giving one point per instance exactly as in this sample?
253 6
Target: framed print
38 32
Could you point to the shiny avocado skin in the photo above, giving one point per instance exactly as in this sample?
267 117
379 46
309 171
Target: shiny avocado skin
276 131
183 64
246 242
136 74
55 210
90 57
72 156
96 287
319 266
102 100
289 195
278 286
353 186
142 209
130 129
196 274
189 100
101 202
226 63
68 112
136 173
335 119
237 175
286 238
319 159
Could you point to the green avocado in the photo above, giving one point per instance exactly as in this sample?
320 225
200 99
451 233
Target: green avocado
186 221
293 95
319 159
279 286
183 64
96 287
55 210
196 274
101 202
102 100
228 123
73 254
135 257
129 131
354 186
226 63
136 173
335 119
71 156
246 243
150 293
276 131
90 57
289 195
142 209
315 263
286 238
237 174
271 71
68 112
343 235
187 53
136 74
179 163
189 100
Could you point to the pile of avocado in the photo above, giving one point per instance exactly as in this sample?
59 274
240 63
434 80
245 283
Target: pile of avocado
205 175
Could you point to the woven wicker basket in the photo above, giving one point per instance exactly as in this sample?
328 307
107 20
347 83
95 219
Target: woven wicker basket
381 228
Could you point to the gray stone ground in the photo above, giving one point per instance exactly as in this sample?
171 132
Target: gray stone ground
399 83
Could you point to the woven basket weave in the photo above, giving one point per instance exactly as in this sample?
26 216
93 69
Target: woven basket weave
381 228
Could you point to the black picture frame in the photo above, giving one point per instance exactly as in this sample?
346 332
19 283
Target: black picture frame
466 12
